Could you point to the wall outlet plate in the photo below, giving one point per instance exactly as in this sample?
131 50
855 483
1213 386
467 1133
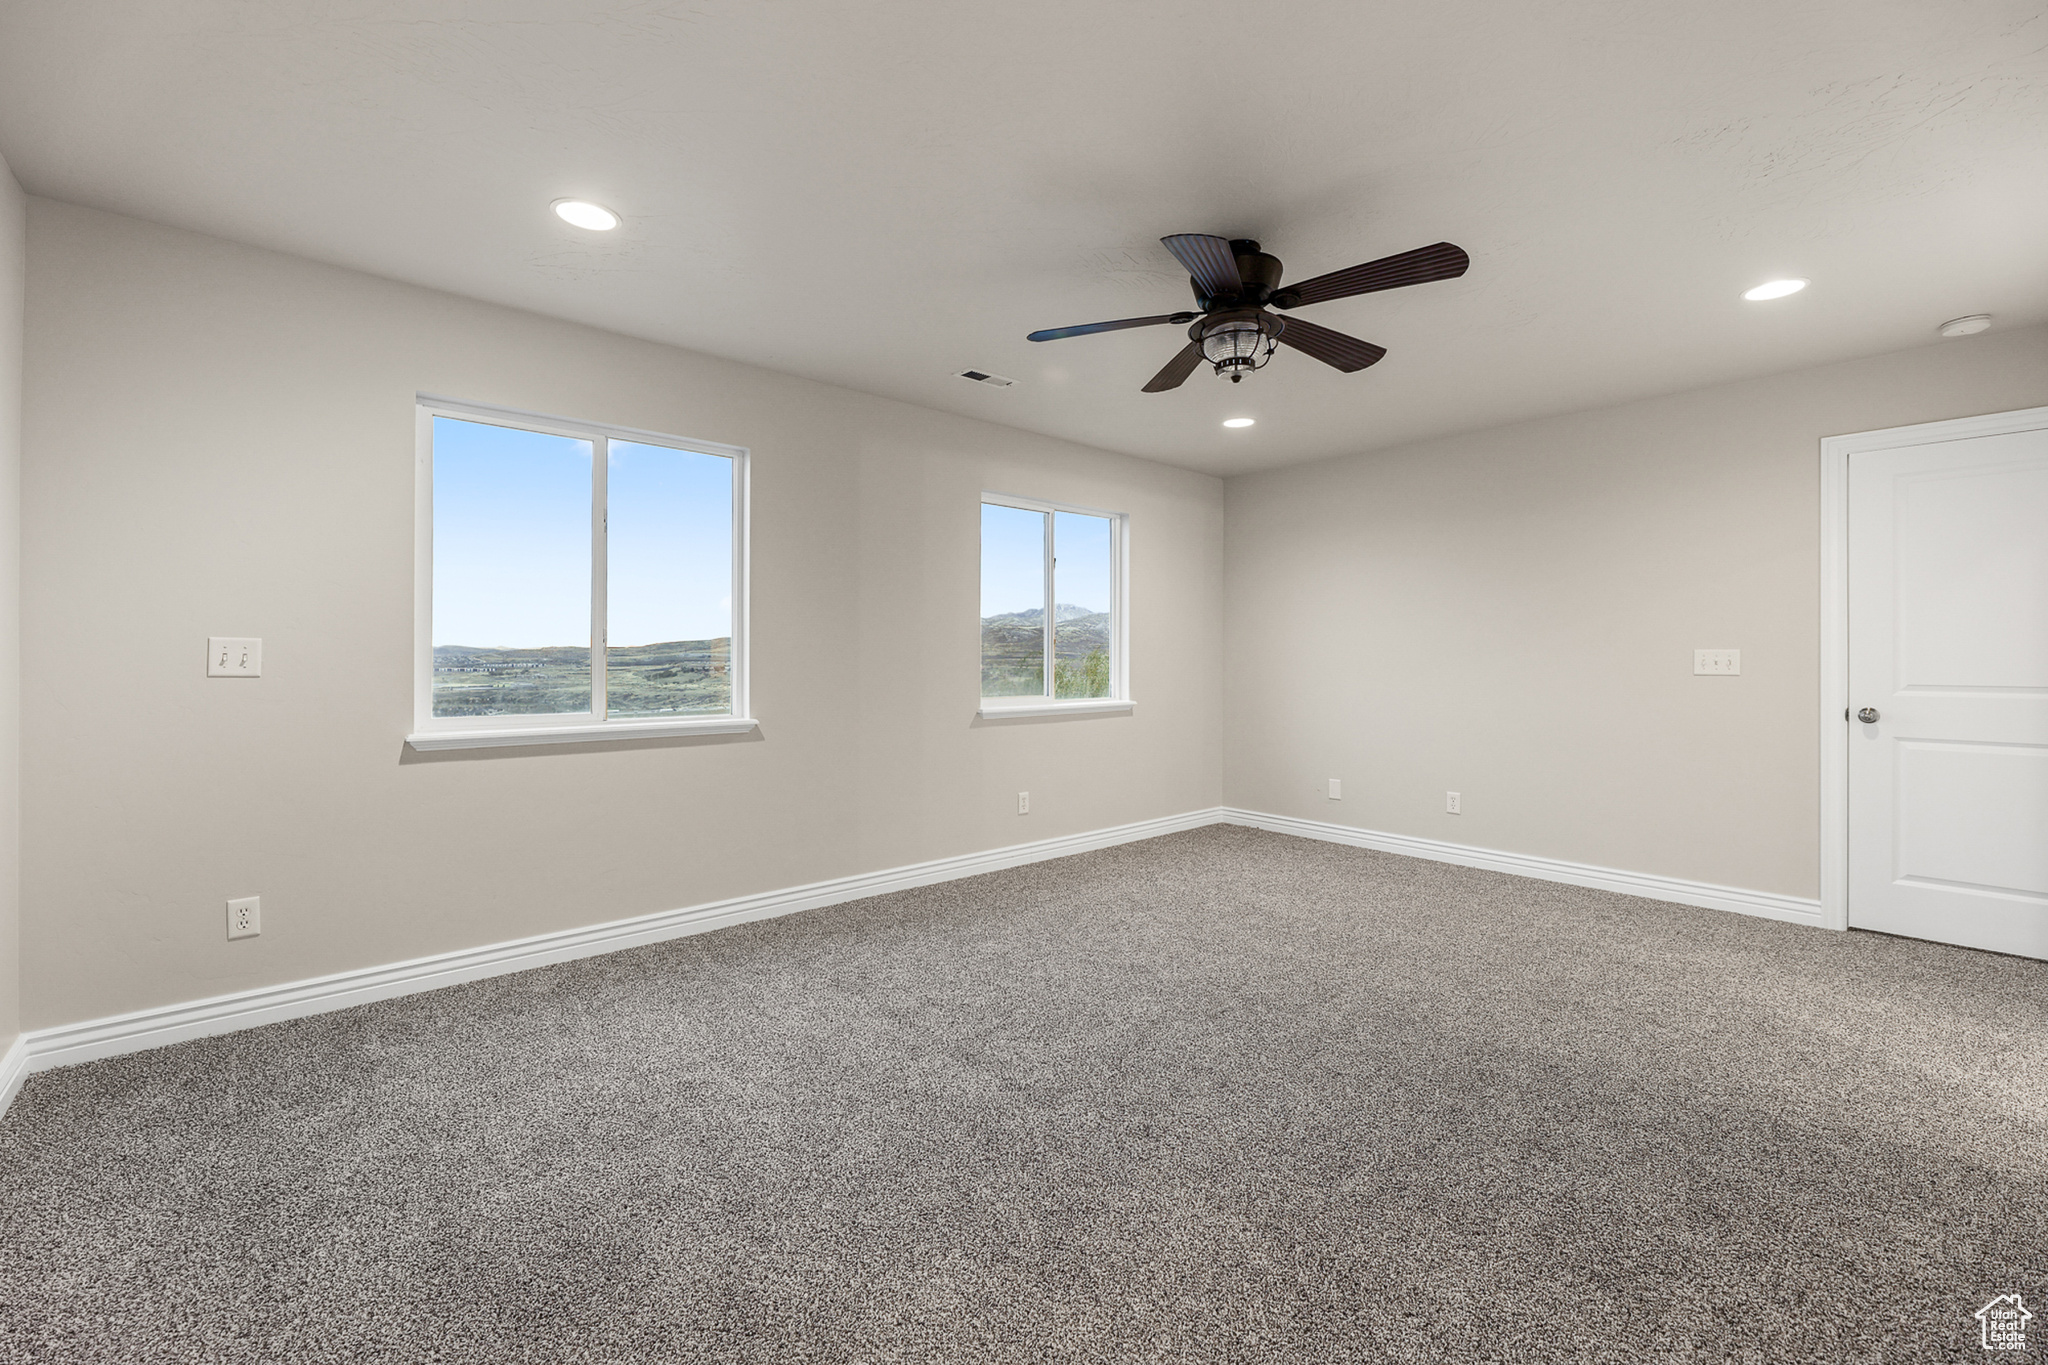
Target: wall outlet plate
233 656
1725 662
1454 803
1023 803
1336 789
245 917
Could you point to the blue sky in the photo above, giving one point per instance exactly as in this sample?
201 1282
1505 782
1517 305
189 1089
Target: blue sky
1013 560
669 532
1080 548
512 540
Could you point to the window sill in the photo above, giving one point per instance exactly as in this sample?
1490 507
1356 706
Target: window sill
998 708
581 734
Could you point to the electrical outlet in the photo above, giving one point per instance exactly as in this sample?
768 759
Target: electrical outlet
1721 661
1023 803
1336 789
1454 804
233 657
245 917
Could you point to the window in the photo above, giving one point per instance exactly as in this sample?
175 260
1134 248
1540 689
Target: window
1052 608
576 581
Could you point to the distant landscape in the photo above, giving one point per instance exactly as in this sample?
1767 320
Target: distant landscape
693 677
1013 653
678 677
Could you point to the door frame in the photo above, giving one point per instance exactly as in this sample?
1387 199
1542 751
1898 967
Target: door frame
1834 623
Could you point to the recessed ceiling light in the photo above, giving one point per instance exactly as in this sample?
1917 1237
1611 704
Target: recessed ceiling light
584 214
1776 289
1238 421
1963 327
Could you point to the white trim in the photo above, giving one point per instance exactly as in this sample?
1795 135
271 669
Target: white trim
1834 683
739 654
89 1040
575 426
1046 505
594 733
1119 594
1049 622
995 708
439 732
14 1070
600 583
1767 904
1834 622
96 1038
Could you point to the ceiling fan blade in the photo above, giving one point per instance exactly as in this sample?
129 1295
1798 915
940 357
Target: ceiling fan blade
1209 260
1440 262
1055 333
1347 353
1177 369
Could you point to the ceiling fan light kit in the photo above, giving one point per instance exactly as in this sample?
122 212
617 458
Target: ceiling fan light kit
1234 281
1237 346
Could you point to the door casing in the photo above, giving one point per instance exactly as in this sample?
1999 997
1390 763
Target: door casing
1835 453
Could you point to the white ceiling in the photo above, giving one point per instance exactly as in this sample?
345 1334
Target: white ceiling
879 194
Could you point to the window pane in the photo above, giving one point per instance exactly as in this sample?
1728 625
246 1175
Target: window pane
1082 585
1012 602
668 579
511 571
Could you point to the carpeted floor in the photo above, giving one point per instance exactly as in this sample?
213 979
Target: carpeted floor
1221 1096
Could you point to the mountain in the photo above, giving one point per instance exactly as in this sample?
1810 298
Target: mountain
1061 612
1013 647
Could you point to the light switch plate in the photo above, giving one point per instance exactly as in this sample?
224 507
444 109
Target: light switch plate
1718 661
233 656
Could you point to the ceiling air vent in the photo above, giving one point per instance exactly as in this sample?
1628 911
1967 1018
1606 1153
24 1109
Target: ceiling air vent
981 377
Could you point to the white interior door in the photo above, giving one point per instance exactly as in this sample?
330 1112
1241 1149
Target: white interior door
1948 689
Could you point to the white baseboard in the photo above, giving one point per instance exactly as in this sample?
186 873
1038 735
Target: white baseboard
1767 904
13 1071
66 1044
91 1039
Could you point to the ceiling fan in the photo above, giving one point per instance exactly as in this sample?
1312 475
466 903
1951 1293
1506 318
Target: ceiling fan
1233 283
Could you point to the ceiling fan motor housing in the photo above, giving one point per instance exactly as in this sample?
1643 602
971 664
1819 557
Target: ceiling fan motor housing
1235 333
1259 271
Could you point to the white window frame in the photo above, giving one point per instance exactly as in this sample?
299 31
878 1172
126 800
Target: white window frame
474 732
1119 698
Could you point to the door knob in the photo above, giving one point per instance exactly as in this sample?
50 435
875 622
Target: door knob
1868 715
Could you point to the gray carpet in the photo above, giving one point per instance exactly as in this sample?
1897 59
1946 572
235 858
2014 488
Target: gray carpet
1222 1096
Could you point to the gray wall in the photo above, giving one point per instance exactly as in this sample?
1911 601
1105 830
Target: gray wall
1511 615
13 243
219 441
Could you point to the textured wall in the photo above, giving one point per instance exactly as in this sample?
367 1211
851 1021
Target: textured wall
1511 615
220 441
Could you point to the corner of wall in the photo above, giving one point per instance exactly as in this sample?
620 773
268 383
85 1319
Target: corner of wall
13 260
866 543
